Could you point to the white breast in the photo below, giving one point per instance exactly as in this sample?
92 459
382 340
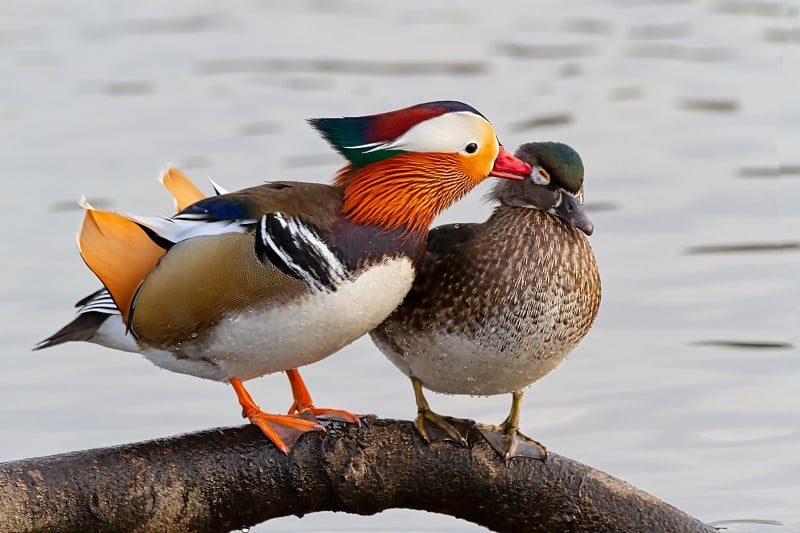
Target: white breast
255 343
457 364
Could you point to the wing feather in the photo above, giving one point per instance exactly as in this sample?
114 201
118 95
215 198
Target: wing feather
299 250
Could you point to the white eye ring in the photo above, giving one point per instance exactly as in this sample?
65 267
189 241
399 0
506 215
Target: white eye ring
540 177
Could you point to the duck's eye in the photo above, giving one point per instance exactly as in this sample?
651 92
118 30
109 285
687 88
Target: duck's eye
543 175
471 148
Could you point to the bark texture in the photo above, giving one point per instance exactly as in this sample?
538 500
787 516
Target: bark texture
224 479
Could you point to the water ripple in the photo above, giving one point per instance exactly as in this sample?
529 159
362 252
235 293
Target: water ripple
781 35
339 66
259 128
631 92
703 104
190 24
745 345
701 54
73 205
310 160
589 25
596 207
753 7
545 51
723 524
195 161
770 172
673 30
127 88
557 119
744 247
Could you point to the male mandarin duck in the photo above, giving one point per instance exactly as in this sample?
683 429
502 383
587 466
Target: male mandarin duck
497 305
277 276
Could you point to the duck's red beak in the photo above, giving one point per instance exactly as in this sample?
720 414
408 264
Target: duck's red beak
509 167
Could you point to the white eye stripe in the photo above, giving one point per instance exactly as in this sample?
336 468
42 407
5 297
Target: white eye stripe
448 133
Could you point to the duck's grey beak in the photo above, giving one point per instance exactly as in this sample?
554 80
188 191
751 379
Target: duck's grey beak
571 210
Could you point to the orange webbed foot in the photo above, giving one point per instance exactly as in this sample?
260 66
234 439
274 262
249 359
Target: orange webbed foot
303 403
324 413
282 430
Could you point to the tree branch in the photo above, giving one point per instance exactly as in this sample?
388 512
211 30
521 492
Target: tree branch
222 479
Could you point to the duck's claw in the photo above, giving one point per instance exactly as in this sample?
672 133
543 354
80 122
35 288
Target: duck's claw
506 438
284 430
435 428
510 443
336 415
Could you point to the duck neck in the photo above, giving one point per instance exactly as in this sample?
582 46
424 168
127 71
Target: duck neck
523 194
367 243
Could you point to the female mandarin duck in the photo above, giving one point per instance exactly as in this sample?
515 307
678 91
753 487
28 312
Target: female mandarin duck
495 306
281 275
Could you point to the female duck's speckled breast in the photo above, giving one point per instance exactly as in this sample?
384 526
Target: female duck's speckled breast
526 288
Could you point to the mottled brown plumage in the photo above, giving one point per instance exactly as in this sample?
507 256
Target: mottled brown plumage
524 283
496 306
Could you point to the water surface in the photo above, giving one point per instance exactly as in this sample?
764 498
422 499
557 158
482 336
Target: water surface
687 117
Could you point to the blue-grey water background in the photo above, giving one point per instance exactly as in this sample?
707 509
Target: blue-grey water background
687 116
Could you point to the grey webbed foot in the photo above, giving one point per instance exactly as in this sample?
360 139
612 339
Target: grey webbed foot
509 442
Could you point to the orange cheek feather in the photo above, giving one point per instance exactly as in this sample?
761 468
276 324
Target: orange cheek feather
479 165
407 189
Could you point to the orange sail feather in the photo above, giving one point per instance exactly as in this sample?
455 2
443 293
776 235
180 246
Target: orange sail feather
182 189
119 252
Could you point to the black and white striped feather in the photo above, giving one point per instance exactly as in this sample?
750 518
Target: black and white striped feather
299 250
98 302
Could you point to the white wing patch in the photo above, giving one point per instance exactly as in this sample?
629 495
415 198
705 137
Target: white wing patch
190 225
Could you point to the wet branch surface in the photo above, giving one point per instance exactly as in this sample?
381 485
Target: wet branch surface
224 479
